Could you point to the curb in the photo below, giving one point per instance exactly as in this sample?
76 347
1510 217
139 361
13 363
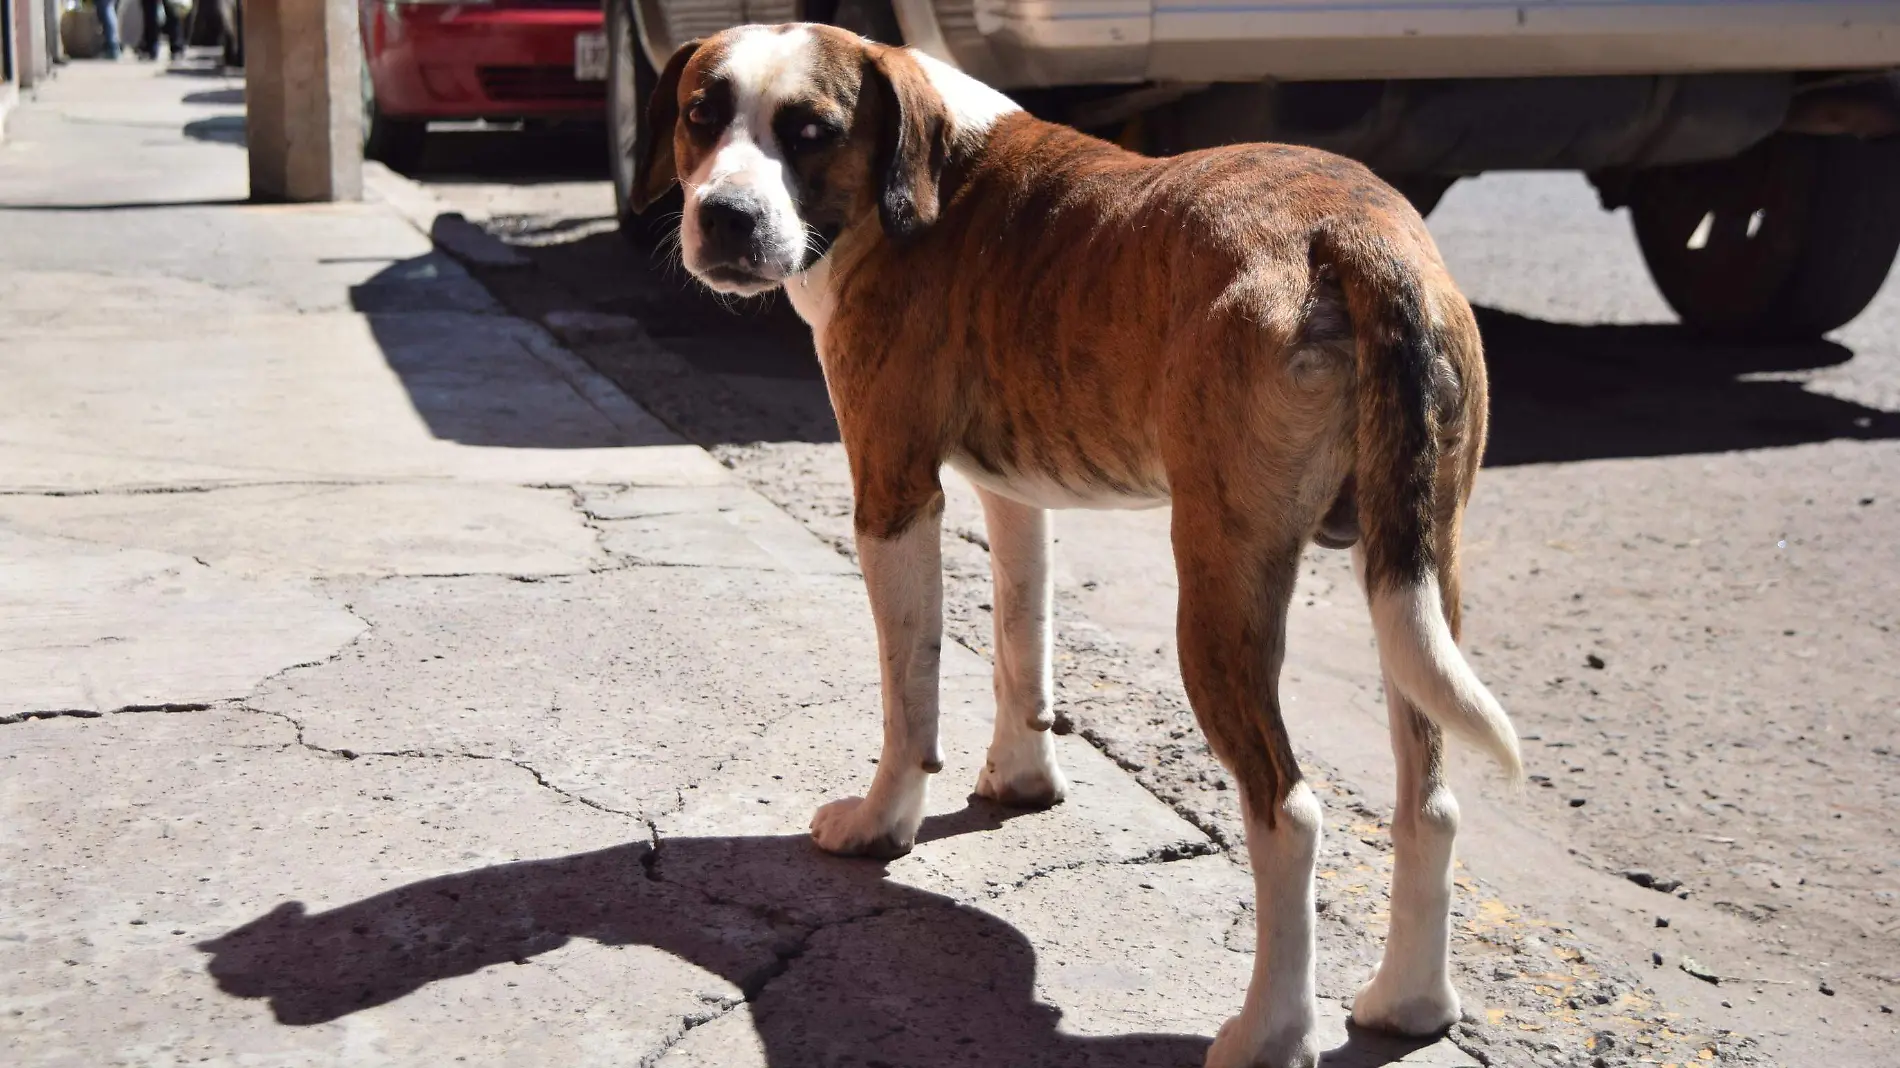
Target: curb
452 231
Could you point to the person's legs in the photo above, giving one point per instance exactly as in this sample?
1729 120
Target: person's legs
174 29
108 12
148 33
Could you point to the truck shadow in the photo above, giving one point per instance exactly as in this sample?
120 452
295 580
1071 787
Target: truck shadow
738 373
1560 392
839 964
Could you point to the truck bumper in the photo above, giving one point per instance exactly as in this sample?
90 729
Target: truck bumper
1034 43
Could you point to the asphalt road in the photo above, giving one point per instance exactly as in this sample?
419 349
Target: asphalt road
1683 580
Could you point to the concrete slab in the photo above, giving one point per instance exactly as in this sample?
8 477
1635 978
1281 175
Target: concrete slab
312 398
738 717
623 688
331 530
969 850
709 526
308 258
69 143
91 629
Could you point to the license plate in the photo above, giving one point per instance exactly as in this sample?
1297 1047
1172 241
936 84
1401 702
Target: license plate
590 57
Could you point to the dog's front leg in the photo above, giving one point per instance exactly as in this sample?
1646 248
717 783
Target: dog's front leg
903 569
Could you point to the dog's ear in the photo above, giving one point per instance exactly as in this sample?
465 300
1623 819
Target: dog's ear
654 168
912 141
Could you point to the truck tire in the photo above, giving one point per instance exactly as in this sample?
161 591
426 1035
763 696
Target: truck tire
394 142
398 143
630 80
1787 241
1423 190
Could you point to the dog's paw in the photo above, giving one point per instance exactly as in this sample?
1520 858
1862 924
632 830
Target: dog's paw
1384 1006
1031 788
851 828
1240 1045
1024 775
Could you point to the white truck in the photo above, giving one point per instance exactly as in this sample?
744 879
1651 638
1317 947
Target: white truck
1756 142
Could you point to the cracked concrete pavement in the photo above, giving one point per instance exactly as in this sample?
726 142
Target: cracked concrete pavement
380 686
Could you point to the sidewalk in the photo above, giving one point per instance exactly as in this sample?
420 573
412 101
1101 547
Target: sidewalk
381 687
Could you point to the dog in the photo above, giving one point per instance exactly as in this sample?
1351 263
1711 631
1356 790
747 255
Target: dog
1263 336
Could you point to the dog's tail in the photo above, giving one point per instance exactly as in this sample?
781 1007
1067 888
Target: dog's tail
1420 432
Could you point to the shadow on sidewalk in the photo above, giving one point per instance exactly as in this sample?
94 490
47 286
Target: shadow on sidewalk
839 964
474 375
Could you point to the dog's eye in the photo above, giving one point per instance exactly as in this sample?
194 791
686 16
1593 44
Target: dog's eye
699 114
800 130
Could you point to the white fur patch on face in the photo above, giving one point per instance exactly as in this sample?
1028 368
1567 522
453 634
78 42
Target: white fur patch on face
764 66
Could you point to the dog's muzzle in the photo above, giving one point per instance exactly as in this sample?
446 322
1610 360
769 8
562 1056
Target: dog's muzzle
738 249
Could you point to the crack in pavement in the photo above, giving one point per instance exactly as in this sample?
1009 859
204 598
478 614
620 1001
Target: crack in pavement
1167 854
167 489
421 754
721 1007
95 713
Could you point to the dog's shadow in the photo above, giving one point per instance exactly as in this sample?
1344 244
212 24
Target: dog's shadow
840 964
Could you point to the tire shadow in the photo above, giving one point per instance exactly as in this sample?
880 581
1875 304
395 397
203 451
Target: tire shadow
1563 393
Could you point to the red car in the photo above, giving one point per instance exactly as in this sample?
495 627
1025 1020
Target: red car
426 60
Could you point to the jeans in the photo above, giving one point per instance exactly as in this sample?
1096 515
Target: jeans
108 12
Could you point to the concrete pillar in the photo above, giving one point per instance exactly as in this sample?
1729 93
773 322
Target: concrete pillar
32 62
9 65
303 96
9 80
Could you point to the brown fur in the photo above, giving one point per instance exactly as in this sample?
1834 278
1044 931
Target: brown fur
1037 302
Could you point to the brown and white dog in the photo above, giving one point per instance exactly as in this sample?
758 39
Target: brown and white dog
1263 335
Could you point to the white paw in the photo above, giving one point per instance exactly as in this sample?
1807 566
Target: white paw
1241 1045
1023 774
1429 1009
851 828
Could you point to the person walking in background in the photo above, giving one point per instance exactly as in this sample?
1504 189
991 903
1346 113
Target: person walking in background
108 12
154 10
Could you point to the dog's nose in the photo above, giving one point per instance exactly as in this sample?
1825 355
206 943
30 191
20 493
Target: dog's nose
727 226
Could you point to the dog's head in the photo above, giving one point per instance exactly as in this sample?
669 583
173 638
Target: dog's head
782 137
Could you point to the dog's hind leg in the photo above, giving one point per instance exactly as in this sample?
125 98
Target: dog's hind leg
902 557
1236 579
1021 767
1411 992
